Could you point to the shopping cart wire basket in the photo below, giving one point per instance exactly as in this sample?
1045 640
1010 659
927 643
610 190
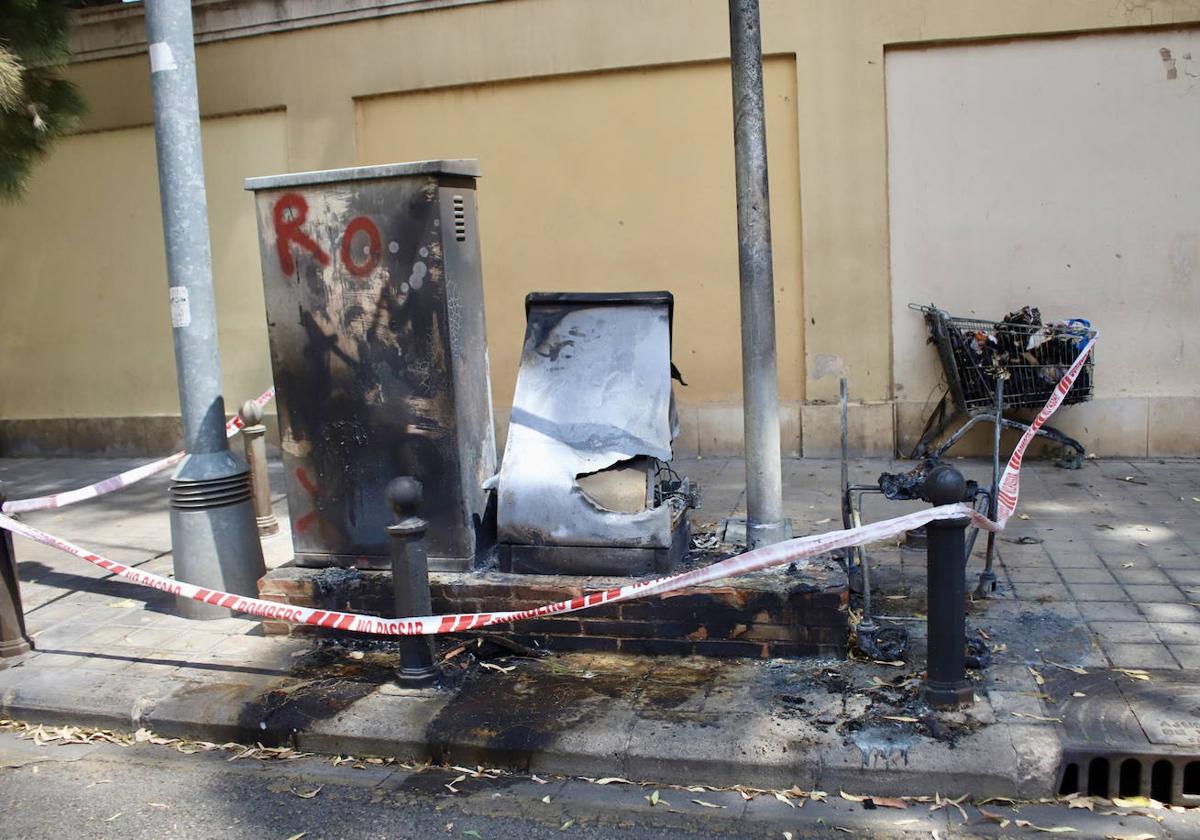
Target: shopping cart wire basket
994 366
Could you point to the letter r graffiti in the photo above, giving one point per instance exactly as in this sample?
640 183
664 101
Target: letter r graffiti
287 231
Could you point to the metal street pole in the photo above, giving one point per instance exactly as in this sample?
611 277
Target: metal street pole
760 389
213 534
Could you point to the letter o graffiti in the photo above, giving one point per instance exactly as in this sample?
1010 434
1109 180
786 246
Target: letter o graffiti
361 269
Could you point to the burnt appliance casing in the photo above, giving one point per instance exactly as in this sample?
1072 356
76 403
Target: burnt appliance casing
375 317
593 420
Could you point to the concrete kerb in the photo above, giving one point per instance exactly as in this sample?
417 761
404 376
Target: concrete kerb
1000 760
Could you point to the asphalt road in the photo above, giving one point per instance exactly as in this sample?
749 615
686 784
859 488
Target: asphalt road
149 791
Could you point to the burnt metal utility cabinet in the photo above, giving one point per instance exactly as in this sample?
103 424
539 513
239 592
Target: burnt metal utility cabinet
586 487
375 317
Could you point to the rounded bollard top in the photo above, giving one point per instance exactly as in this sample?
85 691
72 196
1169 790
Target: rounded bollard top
945 485
251 413
404 496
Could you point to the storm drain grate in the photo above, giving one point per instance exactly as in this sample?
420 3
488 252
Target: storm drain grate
1174 779
1124 738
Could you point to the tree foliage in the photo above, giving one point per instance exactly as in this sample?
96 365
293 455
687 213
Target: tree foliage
37 106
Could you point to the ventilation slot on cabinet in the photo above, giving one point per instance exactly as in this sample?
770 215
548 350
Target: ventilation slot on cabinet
460 219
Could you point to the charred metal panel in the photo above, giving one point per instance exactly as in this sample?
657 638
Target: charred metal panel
593 409
375 317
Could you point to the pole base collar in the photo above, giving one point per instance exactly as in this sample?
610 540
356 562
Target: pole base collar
949 695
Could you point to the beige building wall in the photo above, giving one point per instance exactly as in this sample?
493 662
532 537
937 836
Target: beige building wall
1059 173
85 336
611 182
642 90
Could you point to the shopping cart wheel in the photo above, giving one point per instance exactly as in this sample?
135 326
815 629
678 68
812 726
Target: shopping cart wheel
1071 459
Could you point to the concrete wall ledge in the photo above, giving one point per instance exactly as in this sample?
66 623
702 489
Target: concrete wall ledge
112 31
1133 427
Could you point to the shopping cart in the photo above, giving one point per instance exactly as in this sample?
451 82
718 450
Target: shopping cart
991 366
994 366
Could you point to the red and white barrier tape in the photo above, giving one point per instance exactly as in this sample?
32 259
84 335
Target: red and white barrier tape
752 561
116 482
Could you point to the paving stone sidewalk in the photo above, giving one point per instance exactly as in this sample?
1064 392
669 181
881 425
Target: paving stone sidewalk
1099 572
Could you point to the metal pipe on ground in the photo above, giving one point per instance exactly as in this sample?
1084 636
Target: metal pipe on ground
765 523
254 441
987 578
213 535
14 641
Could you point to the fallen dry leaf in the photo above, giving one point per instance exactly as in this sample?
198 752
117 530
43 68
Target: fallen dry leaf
1074 669
1054 829
493 667
307 794
701 802
889 802
943 803
1036 717
653 797
613 780
298 835
1037 678
850 797
990 816
1134 673
1134 802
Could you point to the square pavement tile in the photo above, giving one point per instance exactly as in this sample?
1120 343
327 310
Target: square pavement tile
1041 592
1180 560
1138 655
1112 611
1177 633
1185 613
1188 655
1076 561
1044 574
1071 576
1123 632
1142 575
1153 593
1185 577
1097 592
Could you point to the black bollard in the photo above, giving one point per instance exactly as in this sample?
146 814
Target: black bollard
946 685
410 577
14 641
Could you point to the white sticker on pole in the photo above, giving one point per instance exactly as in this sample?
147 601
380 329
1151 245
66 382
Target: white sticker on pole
161 57
181 309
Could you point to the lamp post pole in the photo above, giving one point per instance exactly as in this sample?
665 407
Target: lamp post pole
765 523
213 535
